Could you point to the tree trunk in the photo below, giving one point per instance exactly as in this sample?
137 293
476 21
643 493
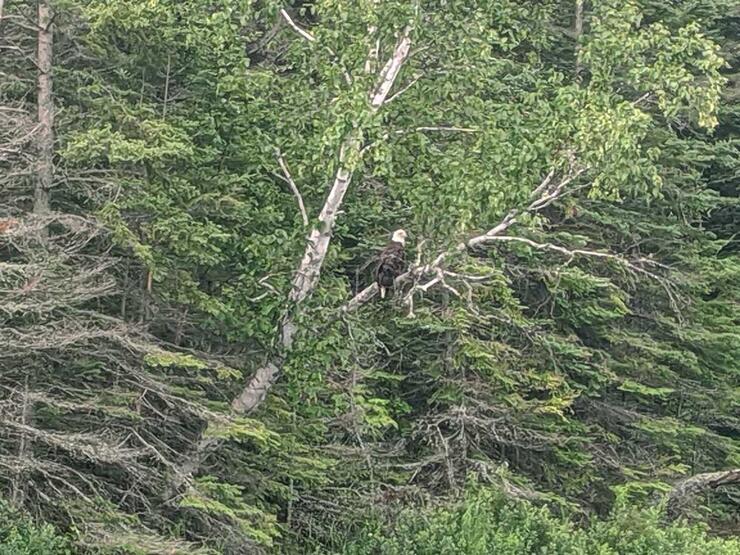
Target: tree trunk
19 486
578 33
45 103
44 179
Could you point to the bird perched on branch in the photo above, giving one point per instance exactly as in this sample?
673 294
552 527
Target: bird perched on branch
392 262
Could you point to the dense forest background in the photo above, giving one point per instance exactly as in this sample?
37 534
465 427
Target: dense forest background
193 357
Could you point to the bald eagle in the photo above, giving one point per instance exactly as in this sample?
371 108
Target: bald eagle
392 262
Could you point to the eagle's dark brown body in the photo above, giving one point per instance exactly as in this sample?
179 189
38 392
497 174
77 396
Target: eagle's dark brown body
392 264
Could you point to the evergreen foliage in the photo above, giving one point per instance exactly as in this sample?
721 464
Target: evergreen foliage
20 536
568 332
486 522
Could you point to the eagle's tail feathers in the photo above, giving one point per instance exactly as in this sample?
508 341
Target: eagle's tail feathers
382 292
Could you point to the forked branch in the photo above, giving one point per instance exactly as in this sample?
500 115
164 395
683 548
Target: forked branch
305 34
434 274
543 195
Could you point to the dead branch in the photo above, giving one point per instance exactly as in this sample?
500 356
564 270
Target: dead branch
577 252
544 194
293 187
406 87
270 289
448 128
684 490
305 34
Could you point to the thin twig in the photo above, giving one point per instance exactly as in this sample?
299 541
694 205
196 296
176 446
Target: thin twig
405 88
447 128
305 34
293 187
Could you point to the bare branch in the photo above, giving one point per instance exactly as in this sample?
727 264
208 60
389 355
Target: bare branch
448 128
580 252
685 489
545 182
643 98
305 34
310 38
424 288
270 289
405 88
368 293
293 187
167 85
544 194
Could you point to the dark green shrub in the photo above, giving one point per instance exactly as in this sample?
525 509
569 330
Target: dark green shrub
19 535
486 523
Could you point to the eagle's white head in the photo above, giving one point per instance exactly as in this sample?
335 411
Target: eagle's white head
399 236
